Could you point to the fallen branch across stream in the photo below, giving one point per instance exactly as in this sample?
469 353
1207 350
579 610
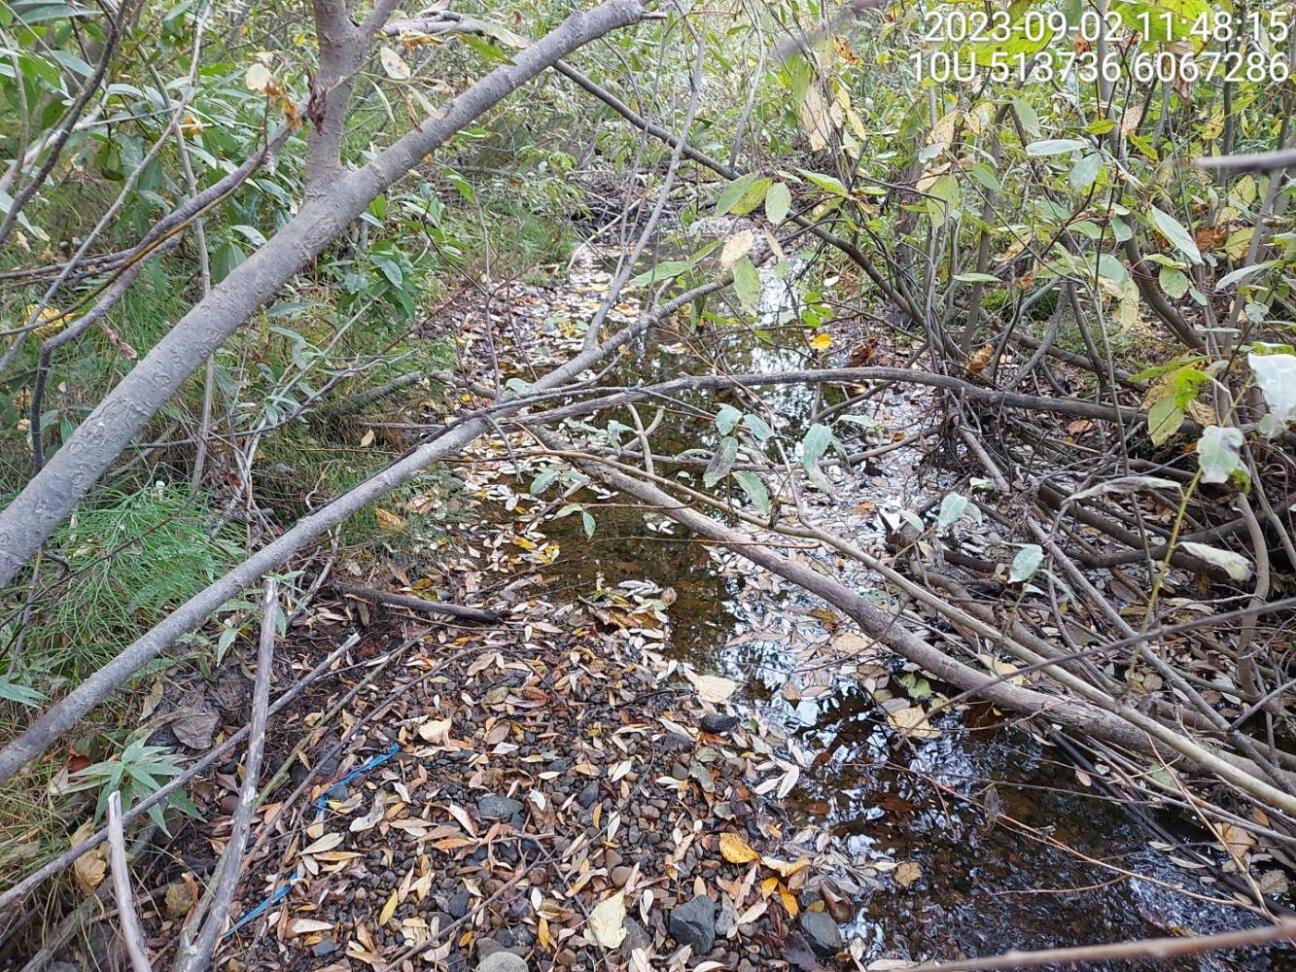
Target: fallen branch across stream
419 604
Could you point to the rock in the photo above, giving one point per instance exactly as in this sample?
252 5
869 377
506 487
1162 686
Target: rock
718 724
822 932
502 962
325 946
492 946
636 937
589 794
493 807
693 923
458 905
620 875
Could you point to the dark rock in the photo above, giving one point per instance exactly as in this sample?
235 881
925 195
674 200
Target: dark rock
693 923
718 724
493 807
458 905
324 947
589 794
636 937
822 932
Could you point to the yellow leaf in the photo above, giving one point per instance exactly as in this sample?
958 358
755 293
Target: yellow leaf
389 908
768 886
89 870
735 850
821 341
389 522
789 900
785 869
607 921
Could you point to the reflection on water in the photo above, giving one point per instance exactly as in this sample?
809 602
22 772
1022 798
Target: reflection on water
1010 845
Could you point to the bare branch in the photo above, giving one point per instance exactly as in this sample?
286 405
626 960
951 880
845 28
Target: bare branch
126 914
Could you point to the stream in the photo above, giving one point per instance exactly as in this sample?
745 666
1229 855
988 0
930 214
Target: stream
1004 842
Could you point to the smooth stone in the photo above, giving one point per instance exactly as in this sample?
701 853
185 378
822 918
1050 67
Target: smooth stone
502 962
718 724
492 806
458 904
693 923
588 795
822 932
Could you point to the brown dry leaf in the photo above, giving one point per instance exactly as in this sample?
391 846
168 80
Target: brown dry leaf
89 870
389 522
854 643
980 358
1236 840
908 873
912 721
325 843
435 731
607 921
735 850
178 900
307 926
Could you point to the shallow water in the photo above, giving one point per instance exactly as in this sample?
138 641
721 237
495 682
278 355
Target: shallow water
1009 839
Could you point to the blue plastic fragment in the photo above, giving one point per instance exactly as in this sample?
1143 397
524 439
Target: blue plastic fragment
334 791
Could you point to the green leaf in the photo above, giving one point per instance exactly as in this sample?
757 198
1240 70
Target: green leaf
777 202
1233 564
727 418
1276 376
587 520
753 197
825 182
1085 172
1027 561
1179 237
13 692
1054 146
731 193
1164 419
1241 273
1173 281
757 427
1219 453
976 277
755 489
952 509
747 283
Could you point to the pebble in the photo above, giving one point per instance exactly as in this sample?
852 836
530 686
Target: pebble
502 962
636 937
458 904
620 875
494 807
718 724
694 923
822 932
588 795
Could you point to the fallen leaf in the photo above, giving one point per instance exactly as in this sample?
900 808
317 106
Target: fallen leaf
735 850
308 926
325 843
435 730
607 921
908 873
912 721
713 688
389 908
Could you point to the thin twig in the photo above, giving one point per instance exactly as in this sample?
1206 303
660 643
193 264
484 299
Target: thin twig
195 953
126 914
